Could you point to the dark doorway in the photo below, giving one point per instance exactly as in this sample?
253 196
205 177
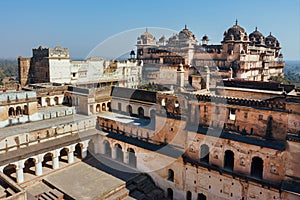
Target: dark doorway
171 175
201 197
188 195
78 151
229 160
170 193
204 153
257 167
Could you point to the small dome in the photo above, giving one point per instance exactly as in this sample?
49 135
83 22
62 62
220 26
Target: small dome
186 34
256 37
272 42
235 33
205 38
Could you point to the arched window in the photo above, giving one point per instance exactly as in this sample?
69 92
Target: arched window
98 108
201 197
257 167
48 102
18 111
103 107
171 175
229 160
170 193
11 112
188 195
119 152
56 100
25 111
141 112
129 109
204 153
132 157
107 148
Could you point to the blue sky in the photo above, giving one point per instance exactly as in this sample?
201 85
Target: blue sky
82 25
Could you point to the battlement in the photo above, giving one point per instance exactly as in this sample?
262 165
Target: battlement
265 104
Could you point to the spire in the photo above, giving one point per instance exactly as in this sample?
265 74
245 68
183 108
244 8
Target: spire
185 26
270 33
236 22
256 28
146 30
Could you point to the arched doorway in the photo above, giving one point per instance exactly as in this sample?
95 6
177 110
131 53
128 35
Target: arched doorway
48 101
18 111
129 110
47 160
119 152
204 153
56 100
141 112
229 160
25 111
188 195
132 157
107 148
29 166
257 167
103 107
65 100
11 112
78 151
201 197
170 193
63 155
170 175
10 171
98 108
109 106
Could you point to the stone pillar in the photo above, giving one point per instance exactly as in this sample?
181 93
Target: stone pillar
55 162
38 168
114 153
20 175
126 157
71 154
84 148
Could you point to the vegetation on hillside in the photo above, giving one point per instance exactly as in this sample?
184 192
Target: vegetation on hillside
8 68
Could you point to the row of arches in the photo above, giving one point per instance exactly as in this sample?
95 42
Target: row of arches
116 152
170 195
103 107
257 163
50 103
18 111
38 165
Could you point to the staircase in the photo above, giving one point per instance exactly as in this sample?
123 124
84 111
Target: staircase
51 195
142 187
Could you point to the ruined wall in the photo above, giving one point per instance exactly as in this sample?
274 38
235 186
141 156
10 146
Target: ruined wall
24 70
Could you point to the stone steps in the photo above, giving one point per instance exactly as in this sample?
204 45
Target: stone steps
51 195
142 187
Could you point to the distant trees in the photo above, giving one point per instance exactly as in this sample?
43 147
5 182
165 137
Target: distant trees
8 68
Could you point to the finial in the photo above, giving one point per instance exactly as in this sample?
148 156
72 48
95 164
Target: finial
270 33
185 26
146 30
236 22
256 28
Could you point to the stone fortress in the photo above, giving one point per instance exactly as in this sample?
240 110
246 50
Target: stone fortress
218 129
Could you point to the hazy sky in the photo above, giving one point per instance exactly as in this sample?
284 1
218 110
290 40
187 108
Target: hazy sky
82 25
